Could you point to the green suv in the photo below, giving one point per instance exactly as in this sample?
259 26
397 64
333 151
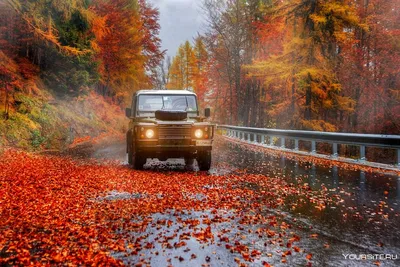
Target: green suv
167 124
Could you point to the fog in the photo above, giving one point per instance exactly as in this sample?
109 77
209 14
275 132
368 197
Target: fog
180 20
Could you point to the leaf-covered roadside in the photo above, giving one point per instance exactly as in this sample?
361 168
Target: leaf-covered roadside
58 211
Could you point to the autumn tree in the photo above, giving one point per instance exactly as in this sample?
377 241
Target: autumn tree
8 83
305 70
320 65
202 69
151 42
183 69
55 36
127 45
370 69
228 29
118 47
177 71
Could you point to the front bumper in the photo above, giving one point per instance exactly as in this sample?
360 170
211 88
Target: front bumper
173 148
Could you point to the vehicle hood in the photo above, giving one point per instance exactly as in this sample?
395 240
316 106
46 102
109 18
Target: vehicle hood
189 121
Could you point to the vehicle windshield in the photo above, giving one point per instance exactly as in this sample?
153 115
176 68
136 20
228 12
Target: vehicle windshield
152 103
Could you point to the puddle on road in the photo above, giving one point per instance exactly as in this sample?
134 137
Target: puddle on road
169 240
181 239
367 219
116 195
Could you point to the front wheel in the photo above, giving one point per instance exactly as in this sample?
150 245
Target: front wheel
204 160
189 161
135 159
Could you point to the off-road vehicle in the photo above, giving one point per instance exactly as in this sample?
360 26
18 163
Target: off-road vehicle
166 124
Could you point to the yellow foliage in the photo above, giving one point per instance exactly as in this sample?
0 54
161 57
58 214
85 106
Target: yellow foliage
184 68
345 104
318 19
317 90
318 125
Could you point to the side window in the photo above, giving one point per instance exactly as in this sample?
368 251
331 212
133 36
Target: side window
192 105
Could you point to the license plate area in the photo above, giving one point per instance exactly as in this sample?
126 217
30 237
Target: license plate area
203 142
176 142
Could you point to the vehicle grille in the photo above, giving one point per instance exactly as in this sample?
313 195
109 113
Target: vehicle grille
175 132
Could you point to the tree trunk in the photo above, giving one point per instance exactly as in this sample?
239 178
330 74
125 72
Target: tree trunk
308 114
6 104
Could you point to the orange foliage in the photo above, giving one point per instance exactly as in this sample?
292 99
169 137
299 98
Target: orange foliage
55 210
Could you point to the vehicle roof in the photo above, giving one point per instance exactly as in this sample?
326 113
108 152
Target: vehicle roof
164 92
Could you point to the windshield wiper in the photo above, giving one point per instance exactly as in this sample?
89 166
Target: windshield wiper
187 104
163 103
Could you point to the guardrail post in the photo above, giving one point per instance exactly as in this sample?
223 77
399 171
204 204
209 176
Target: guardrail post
398 187
335 153
313 147
362 154
398 158
261 136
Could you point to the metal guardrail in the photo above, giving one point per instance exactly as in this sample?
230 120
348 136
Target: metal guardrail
266 137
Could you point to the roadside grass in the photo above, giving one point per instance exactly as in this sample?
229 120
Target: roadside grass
39 122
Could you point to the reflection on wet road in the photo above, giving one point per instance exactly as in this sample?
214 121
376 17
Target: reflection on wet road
346 214
367 221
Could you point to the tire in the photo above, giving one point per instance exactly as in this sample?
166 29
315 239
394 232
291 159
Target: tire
129 147
135 159
138 161
189 161
204 160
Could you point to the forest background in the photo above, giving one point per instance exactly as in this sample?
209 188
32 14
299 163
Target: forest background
68 68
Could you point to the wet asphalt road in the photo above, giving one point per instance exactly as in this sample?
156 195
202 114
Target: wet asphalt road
366 221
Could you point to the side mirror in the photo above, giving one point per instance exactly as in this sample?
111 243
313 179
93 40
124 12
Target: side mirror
207 112
128 112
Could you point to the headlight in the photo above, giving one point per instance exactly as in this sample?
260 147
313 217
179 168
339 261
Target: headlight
199 133
150 133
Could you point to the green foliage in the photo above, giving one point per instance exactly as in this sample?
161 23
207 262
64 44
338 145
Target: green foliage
75 31
70 76
37 139
66 74
37 125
